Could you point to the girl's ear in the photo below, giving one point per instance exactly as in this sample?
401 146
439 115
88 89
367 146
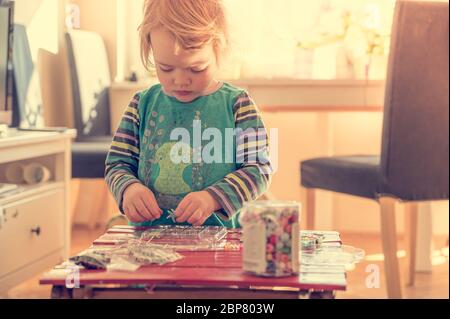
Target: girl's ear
218 54
218 60
147 54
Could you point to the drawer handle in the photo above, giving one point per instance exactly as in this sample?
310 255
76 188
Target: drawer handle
16 214
36 230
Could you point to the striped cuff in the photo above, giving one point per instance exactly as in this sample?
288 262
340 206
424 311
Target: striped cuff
118 192
228 210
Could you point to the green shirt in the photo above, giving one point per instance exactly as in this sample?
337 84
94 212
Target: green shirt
205 156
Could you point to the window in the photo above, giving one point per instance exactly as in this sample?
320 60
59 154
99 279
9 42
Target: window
321 39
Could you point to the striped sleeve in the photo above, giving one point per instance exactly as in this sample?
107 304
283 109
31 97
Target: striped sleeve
123 156
254 175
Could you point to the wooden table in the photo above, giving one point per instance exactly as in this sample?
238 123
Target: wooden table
200 274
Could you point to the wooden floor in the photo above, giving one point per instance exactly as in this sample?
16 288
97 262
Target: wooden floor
433 285
428 285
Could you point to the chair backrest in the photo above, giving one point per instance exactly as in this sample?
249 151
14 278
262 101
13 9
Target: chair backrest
90 78
415 148
28 109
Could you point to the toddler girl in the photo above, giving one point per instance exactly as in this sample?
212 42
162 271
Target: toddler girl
192 149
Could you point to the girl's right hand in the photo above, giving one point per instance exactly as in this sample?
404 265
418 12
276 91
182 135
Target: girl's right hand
139 204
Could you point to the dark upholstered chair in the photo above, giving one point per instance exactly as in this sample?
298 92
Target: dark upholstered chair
413 165
90 78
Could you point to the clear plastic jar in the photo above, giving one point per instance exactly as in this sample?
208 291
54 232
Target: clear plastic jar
271 237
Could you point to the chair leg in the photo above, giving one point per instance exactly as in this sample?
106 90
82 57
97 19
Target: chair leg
389 239
310 208
411 214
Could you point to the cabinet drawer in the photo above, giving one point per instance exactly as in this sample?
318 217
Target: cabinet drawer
31 229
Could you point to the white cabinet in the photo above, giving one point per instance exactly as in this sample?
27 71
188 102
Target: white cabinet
34 219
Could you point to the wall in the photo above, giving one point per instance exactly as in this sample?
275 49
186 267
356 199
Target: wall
44 20
100 16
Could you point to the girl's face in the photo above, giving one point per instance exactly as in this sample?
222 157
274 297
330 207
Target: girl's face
186 74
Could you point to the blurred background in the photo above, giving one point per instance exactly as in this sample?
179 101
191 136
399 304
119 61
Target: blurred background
278 48
316 69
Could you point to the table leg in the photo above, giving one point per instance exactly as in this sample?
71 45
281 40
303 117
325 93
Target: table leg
322 295
168 292
61 292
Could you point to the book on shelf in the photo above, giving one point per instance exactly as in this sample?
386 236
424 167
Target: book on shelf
5 188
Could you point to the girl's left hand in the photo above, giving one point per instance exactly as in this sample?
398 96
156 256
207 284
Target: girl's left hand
196 208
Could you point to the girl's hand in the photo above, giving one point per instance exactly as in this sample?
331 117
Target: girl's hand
196 208
139 204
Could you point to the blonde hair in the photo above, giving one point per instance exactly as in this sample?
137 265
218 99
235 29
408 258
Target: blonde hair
194 24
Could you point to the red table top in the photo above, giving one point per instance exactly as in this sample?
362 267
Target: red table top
199 268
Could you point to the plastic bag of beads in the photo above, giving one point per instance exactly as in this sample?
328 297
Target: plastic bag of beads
121 264
187 238
271 237
310 242
91 260
145 253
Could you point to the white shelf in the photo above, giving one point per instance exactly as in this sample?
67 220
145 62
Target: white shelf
15 137
26 191
42 206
